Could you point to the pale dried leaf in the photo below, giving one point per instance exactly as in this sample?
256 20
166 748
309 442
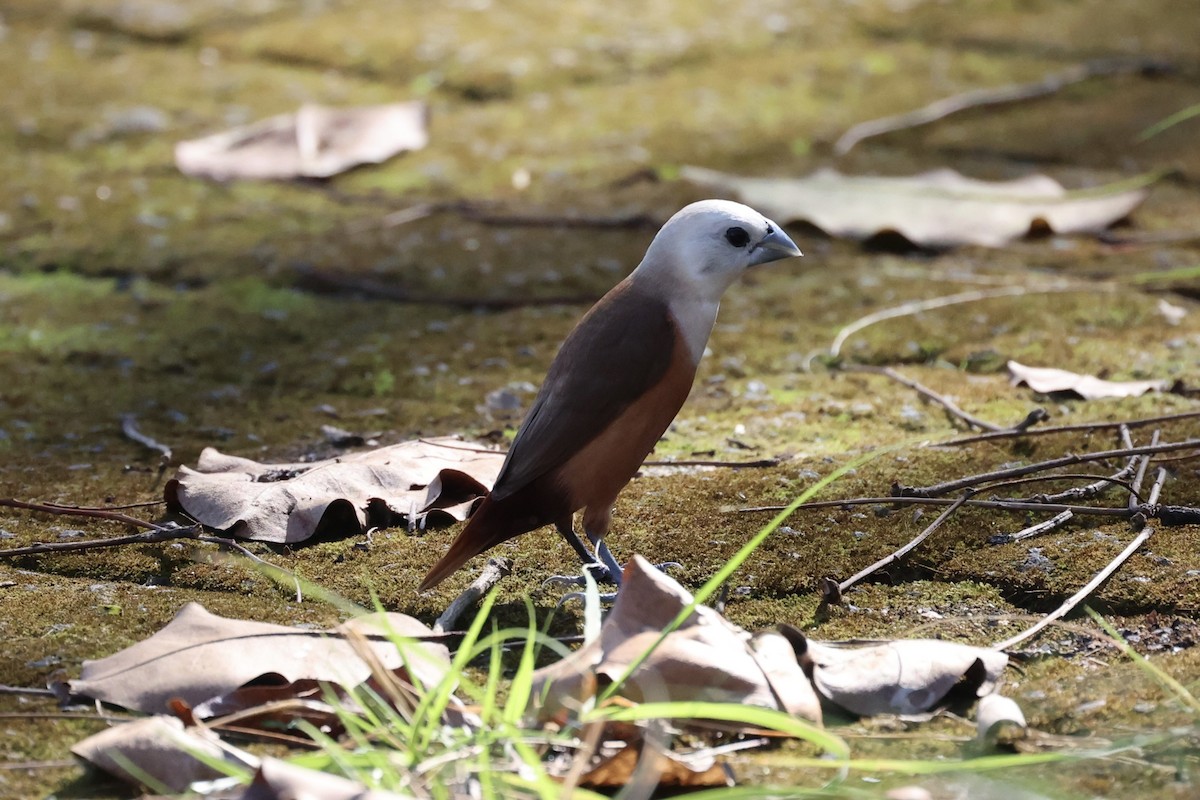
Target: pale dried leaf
314 142
288 503
941 208
906 676
707 658
158 747
199 655
279 780
1048 381
996 711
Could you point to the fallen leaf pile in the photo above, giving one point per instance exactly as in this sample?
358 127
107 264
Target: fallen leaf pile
936 209
314 142
288 503
201 670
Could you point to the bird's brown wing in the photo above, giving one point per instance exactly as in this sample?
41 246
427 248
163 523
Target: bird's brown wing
618 351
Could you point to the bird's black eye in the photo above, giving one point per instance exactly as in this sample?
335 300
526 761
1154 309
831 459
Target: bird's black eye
737 237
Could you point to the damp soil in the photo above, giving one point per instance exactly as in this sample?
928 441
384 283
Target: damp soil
128 289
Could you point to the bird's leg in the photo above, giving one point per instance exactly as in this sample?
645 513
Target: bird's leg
601 569
568 532
607 559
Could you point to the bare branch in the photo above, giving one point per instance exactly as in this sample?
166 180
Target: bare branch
896 556
1079 596
1045 526
997 95
496 569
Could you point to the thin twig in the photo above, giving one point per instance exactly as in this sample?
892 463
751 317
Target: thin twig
130 429
1143 464
1041 466
496 569
1087 492
77 511
1169 515
148 537
898 554
1159 480
1045 526
758 464
929 304
1076 428
154 533
928 394
1079 596
997 95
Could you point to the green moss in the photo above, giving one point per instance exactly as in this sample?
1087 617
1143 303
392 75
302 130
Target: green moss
126 288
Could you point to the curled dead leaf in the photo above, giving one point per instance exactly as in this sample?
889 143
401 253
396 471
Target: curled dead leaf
904 676
314 142
1050 381
159 748
199 656
941 208
289 503
996 712
279 780
707 658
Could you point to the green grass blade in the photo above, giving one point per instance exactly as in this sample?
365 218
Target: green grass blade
1170 122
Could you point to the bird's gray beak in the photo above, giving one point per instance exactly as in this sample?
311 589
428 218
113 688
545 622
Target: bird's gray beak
774 246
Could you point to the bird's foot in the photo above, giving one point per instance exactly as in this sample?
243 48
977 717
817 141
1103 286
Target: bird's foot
600 574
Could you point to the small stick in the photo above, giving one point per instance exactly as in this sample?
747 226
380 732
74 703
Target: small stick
759 464
1076 428
496 569
1159 480
1144 462
1079 596
917 306
1087 492
78 511
130 429
147 537
896 556
928 394
1006 505
998 95
1033 530
1041 466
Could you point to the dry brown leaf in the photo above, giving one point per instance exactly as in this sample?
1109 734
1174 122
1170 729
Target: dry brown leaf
941 208
314 142
905 676
670 770
199 656
279 780
1048 381
158 747
707 658
288 503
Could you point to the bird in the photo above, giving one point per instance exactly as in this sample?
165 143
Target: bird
616 383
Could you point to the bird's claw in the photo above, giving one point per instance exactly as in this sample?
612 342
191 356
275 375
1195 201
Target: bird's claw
605 597
599 573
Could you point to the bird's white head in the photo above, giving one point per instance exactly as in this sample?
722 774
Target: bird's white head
705 247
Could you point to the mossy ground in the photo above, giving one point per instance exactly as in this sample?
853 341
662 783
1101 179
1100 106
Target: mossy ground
127 288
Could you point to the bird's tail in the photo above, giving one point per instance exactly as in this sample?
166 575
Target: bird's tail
489 526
